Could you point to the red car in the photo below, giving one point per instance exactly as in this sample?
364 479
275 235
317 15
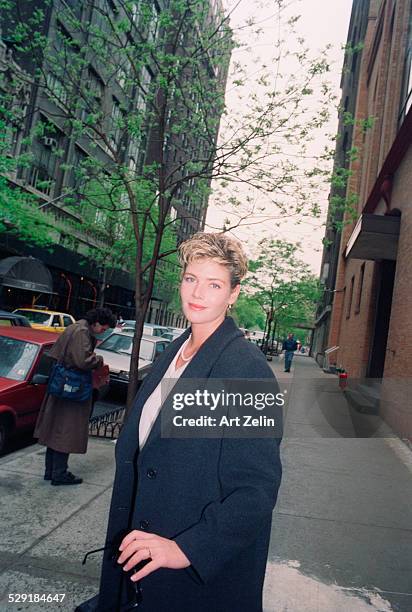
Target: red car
24 370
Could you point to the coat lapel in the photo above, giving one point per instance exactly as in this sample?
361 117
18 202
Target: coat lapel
199 367
130 431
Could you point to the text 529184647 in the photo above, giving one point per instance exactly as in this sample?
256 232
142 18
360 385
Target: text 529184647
36 597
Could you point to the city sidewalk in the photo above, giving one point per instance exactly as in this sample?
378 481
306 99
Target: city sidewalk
341 538
342 528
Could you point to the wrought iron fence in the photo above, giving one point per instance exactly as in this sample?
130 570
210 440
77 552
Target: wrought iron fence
107 425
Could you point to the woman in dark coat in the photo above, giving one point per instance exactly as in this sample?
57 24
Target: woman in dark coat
63 425
190 519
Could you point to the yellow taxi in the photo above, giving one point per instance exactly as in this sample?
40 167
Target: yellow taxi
48 320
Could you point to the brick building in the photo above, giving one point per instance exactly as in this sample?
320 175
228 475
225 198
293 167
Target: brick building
330 257
371 316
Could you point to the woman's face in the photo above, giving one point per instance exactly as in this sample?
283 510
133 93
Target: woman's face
206 291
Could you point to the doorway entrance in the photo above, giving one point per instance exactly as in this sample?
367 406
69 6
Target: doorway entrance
386 279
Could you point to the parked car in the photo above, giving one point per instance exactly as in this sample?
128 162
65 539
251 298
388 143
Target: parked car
24 369
126 323
10 319
49 320
116 351
150 329
103 335
176 332
161 331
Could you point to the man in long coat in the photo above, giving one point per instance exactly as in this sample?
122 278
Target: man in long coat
62 425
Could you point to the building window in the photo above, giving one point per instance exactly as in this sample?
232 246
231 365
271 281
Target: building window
95 87
135 11
124 72
121 224
345 142
406 96
117 124
78 172
346 104
56 89
64 42
153 23
350 297
134 153
112 6
143 89
101 18
360 289
75 6
42 174
100 218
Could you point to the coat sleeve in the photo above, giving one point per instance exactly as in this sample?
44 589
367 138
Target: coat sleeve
250 473
81 352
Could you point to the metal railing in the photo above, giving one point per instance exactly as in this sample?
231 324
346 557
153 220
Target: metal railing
108 425
326 362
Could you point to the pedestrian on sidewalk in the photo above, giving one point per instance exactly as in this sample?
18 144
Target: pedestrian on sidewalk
289 346
190 519
63 424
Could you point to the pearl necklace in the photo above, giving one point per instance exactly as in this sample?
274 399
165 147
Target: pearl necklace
183 348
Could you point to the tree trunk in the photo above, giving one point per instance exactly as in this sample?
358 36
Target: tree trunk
141 307
102 288
274 337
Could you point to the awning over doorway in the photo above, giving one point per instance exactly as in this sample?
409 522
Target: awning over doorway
374 237
25 273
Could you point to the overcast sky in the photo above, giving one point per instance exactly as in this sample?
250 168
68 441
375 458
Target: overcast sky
322 22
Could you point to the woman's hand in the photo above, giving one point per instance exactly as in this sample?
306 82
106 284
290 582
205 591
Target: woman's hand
140 545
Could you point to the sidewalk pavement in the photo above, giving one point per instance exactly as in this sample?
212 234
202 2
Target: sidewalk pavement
341 537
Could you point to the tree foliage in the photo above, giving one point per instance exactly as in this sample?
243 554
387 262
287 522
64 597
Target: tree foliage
249 313
144 155
283 286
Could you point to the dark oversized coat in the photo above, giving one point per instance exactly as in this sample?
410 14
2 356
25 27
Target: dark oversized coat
63 425
214 497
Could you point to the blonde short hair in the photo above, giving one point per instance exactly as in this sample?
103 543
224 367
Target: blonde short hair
219 247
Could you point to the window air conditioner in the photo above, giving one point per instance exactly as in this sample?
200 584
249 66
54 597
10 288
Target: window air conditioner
49 142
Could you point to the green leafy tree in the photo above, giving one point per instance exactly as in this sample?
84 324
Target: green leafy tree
283 286
249 313
298 315
153 148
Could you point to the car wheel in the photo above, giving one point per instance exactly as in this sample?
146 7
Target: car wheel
4 434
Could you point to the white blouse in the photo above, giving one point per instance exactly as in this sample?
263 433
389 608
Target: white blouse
154 402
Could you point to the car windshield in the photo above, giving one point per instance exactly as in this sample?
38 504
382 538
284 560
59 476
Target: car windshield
118 343
16 357
159 331
121 343
41 318
104 334
146 350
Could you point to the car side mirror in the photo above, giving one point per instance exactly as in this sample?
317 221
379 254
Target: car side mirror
39 379
56 324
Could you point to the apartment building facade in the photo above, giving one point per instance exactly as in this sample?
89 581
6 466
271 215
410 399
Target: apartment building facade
343 152
57 152
372 307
